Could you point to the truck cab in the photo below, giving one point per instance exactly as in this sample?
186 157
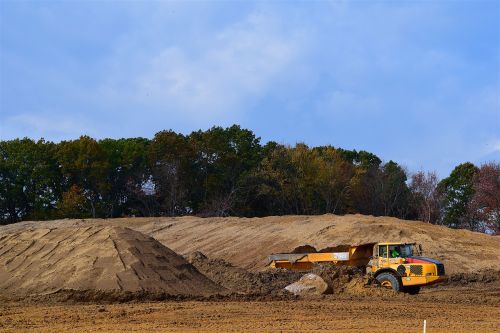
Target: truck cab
401 267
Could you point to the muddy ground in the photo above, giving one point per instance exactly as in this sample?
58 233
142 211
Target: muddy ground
446 309
468 303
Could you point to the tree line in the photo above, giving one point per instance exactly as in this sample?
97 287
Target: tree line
228 172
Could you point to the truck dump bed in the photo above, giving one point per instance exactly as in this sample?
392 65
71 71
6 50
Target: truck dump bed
358 255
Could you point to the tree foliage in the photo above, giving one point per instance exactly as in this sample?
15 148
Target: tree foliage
458 190
426 198
485 204
226 171
85 164
30 180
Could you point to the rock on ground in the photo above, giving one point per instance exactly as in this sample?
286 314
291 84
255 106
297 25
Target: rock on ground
308 285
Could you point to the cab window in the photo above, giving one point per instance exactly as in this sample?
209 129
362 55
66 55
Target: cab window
406 250
382 251
394 251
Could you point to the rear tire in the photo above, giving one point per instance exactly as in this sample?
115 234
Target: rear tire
389 280
412 290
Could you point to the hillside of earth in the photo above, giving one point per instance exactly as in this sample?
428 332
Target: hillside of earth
246 242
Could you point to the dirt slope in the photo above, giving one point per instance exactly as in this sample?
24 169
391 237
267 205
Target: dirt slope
45 260
246 242
239 280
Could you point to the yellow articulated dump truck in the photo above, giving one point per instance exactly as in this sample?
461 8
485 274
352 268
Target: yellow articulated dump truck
399 266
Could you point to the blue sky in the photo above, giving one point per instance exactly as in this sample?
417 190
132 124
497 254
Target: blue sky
417 82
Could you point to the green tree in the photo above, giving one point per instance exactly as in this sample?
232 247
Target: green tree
302 193
223 158
333 180
394 193
364 194
457 190
301 180
29 180
171 160
362 158
380 190
84 163
272 188
127 173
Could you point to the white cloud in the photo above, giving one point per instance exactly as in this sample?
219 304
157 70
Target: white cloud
239 64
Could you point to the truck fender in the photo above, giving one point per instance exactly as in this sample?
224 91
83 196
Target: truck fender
388 270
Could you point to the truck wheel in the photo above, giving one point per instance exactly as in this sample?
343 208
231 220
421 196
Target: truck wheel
412 290
389 280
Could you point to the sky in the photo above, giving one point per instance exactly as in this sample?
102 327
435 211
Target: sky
417 82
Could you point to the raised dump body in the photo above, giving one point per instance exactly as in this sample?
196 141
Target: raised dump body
355 256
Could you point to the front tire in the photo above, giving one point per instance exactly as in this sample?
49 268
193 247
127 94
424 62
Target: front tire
389 280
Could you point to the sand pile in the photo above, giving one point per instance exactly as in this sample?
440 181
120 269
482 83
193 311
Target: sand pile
247 242
94 258
239 280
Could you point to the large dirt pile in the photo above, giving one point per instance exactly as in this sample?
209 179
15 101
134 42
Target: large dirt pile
34 262
246 242
239 280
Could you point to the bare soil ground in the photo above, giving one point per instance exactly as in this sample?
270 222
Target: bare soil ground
469 309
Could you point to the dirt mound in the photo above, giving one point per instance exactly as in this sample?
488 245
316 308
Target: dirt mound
311 249
304 249
43 261
239 280
247 242
349 280
221 272
338 248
